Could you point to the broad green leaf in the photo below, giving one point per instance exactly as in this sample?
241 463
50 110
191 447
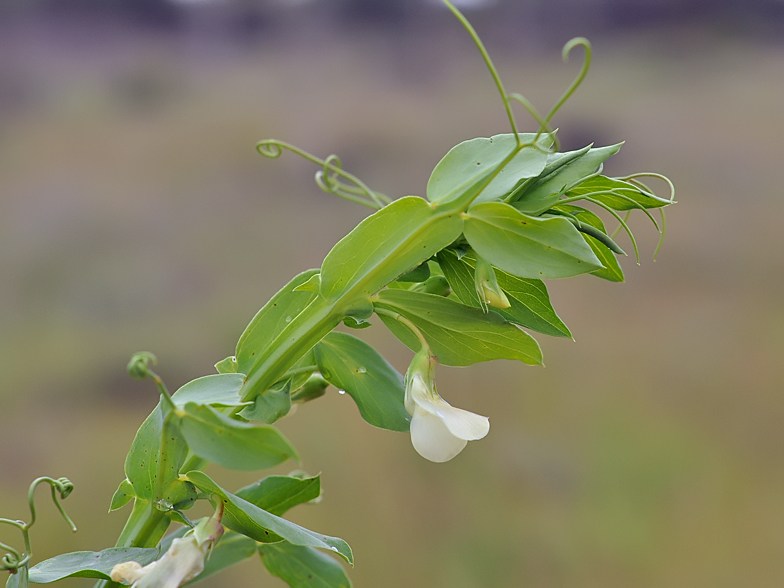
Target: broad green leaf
231 443
215 390
352 365
231 549
526 246
269 406
277 494
303 567
467 162
563 171
271 320
626 195
612 270
458 334
89 564
530 302
122 495
385 245
248 519
149 466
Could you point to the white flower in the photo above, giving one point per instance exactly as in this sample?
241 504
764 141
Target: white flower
181 563
439 431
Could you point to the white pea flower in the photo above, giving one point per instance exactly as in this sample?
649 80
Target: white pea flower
181 563
439 431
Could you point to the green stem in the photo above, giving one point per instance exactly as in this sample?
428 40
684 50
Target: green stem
302 333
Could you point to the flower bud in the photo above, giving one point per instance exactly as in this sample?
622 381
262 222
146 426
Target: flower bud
487 288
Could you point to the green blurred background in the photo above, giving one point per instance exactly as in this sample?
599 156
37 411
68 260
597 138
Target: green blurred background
136 215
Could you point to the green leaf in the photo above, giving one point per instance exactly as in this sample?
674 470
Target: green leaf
458 334
419 274
530 302
122 495
526 246
215 390
612 270
227 365
352 365
385 245
269 406
149 466
277 494
303 567
626 195
89 564
563 171
467 162
231 443
248 519
271 320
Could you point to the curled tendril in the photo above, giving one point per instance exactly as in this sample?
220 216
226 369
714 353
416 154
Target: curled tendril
330 178
632 179
139 368
12 561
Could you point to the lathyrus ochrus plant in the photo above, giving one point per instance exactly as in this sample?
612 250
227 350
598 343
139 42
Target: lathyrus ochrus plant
456 276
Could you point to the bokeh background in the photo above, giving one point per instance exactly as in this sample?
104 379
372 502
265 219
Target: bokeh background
136 215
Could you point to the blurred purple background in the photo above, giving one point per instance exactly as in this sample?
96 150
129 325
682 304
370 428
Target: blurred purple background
135 214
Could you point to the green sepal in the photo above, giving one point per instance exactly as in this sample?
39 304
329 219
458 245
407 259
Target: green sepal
231 443
302 567
459 335
89 564
248 519
352 365
122 496
527 246
530 302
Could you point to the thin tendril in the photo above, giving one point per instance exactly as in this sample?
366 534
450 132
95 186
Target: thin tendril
567 49
489 63
327 178
544 126
632 178
619 227
663 232
611 192
623 224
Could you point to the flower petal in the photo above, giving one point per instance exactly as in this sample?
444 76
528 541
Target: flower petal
462 423
432 439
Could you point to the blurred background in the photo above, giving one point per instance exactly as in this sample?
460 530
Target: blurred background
136 215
